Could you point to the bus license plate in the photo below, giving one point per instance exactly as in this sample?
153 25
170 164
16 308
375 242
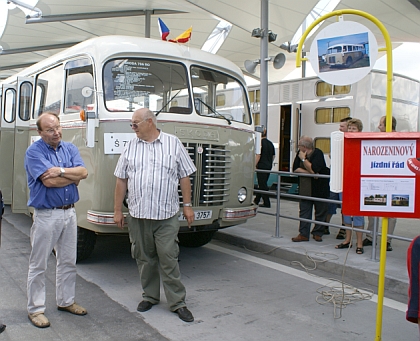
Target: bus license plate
199 215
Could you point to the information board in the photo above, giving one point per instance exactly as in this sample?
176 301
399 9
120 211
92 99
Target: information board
380 176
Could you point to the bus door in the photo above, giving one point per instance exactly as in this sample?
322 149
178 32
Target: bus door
21 142
295 130
7 125
285 141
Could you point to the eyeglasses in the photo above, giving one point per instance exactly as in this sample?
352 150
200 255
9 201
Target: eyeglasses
136 125
51 131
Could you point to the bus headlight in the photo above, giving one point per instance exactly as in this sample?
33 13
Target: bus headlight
242 194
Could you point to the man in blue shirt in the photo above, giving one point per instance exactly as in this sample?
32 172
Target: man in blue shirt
54 169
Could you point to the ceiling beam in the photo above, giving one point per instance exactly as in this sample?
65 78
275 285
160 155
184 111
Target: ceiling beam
37 48
97 15
17 66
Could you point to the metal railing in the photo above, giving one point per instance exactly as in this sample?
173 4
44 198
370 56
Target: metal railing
278 194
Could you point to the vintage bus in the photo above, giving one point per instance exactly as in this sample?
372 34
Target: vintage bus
95 86
344 54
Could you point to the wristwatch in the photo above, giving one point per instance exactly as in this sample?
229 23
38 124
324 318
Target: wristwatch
62 171
303 160
187 204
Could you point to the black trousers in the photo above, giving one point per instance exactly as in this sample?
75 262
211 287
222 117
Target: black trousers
262 185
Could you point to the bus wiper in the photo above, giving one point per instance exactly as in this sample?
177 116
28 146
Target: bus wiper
213 110
167 103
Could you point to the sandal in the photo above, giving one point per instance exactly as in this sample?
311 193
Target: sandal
343 246
39 320
359 250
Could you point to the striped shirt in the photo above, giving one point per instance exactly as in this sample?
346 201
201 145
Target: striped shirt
153 170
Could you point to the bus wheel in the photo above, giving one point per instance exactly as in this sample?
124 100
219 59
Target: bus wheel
195 239
86 240
349 61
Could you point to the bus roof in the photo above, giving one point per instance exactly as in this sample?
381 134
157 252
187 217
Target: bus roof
344 44
105 47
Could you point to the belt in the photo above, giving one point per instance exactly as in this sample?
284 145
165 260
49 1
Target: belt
65 207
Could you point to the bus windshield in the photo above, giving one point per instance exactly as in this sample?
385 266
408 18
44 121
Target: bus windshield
219 95
134 83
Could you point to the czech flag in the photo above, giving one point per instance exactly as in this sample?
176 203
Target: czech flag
183 37
163 29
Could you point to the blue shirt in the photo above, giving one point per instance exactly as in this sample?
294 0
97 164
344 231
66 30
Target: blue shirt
38 159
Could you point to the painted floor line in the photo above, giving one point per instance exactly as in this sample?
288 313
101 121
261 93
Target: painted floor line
300 274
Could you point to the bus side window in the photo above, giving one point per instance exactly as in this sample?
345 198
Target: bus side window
25 101
10 105
79 74
49 86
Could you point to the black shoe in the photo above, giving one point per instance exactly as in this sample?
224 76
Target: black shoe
144 306
265 205
2 327
341 234
184 314
367 242
327 230
388 246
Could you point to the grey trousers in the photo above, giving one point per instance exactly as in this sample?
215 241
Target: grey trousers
154 246
305 211
391 226
52 229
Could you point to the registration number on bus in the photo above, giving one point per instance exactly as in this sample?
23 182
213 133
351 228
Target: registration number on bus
199 215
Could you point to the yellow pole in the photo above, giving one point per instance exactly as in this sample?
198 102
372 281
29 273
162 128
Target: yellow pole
388 49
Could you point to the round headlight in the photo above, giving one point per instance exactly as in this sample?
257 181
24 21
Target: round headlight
242 194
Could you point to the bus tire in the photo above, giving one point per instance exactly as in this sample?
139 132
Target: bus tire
349 61
86 240
195 239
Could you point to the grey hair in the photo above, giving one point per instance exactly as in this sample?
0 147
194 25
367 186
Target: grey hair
306 141
150 114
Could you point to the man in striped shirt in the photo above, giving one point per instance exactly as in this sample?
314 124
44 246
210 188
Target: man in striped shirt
150 168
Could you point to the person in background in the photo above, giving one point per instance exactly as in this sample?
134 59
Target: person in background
310 160
354 125
413 266
332 208
392 222
150 167
264 160
54 169
2 326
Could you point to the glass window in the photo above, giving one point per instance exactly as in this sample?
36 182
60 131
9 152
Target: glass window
79 76
210 86
10 105
323 143
331 115
48 91
325 89
25 101
251 95
134 83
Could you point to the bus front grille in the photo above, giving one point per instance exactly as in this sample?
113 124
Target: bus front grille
210 184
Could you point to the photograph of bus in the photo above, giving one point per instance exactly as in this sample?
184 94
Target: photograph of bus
343 52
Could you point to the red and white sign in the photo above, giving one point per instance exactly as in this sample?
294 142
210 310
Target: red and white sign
381 174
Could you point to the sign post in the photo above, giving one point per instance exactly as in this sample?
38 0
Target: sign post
317 63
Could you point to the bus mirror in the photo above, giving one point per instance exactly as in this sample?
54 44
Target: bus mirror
260 128
86 91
